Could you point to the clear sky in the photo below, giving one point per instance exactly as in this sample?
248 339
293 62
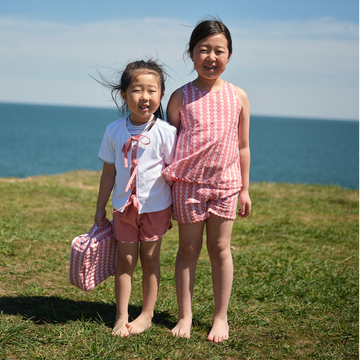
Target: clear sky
293 58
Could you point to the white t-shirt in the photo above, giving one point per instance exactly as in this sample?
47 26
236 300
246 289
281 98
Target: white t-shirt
152 192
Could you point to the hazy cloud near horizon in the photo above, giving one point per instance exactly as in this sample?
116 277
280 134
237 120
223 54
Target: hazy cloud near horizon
299 68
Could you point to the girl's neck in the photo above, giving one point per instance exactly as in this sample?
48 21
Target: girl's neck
208 85
137 121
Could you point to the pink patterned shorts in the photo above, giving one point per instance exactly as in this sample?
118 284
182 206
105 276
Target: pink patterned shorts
130 226
194 202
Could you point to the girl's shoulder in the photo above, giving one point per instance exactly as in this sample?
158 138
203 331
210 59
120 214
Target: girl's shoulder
239 91
165 127
116 127
178 93
115 124
231 85
242 96
176 98
243 100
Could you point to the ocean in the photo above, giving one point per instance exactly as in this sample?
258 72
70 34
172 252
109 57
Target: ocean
40 139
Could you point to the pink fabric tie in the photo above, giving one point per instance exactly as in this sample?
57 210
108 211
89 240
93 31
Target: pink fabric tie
133 199
126 148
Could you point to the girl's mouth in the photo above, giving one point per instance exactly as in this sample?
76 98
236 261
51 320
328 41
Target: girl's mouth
210 68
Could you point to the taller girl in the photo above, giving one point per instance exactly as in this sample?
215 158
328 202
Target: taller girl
210 171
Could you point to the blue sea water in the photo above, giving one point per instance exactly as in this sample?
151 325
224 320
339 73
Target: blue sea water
39 139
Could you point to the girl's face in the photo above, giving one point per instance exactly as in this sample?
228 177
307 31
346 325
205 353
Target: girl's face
142 97
210 56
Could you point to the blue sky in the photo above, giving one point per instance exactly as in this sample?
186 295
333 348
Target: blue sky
293 58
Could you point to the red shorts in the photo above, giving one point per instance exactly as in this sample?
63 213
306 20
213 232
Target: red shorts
130 226
194 202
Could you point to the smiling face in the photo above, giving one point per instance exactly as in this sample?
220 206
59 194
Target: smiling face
210 56
143 97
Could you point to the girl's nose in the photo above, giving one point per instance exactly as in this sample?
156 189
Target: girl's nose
211 56
144 96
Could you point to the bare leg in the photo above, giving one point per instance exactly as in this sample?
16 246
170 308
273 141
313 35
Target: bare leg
190 243
127 259
150 262
218 231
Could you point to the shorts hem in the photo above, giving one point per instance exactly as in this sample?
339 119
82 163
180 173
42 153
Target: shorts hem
205 218
223 216
160 237
126 242
136 242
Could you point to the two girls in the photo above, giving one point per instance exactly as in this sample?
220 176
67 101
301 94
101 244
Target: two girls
210 173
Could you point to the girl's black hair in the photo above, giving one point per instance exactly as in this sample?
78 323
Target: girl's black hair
206 28
135 68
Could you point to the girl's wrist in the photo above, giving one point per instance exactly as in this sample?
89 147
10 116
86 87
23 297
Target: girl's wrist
100 209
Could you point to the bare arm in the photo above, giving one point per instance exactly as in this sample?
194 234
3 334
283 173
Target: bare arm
174 108
244 150
107 182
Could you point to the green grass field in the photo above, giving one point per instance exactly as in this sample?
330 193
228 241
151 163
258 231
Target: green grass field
295 291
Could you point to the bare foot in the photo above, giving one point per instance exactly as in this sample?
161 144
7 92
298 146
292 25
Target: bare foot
182 328
219 331
120 328
140 324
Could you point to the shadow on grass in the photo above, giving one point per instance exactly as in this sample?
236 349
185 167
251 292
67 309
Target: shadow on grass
51 309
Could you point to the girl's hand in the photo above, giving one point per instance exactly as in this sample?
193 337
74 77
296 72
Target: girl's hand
245 204
100 218
168 181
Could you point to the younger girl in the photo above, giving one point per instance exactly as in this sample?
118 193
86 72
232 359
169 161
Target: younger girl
210 171
141 195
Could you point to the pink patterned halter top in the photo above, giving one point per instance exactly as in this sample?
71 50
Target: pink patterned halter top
207 150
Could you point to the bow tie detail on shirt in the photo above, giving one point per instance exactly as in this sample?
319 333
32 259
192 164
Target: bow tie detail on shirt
126 148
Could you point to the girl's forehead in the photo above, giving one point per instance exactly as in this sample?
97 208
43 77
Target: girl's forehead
148 75
137 73
218 39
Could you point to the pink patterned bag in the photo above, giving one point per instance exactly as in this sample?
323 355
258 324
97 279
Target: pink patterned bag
93 257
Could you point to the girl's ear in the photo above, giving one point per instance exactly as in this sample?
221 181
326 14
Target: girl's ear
191 56
229 57
123 95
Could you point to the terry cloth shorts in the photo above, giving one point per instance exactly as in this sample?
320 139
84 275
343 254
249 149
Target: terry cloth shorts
194 202
130 226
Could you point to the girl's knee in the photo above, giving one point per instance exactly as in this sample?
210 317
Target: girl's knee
189 251
150 261
150 254
219 251
126 262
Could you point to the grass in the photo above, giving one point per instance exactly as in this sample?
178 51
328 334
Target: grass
295 291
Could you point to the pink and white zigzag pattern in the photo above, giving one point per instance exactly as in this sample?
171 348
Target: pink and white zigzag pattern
93 257
207 150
